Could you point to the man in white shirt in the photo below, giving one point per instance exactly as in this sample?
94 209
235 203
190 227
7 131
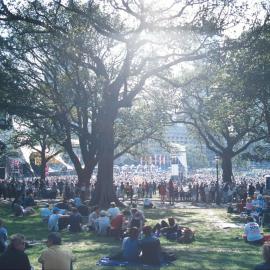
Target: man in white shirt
113 211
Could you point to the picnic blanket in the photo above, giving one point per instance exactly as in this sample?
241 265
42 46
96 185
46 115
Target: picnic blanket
106 261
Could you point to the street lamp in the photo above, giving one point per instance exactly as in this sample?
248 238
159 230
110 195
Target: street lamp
217 182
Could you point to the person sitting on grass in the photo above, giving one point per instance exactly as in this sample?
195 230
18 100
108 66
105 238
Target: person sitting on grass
54 257
53 224
103 223
45 213
3 237
28 200
151 249
252 233
75 221
249 206
92 219
14 256
130 246
113 211
136 219
266 257
147 203
173 231
117 224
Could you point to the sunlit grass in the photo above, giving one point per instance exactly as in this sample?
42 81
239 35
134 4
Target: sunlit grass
214 248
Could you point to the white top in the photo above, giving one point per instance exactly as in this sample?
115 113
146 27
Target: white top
113 212
45 212
252 231
103 223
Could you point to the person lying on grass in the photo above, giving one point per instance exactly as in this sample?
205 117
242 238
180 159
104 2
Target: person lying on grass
173 231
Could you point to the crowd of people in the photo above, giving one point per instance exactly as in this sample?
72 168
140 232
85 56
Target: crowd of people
139 242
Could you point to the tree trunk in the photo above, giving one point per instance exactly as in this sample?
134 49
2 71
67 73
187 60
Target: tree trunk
104 190
84 176
226 168
43 164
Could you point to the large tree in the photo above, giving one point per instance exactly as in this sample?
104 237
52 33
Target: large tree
82 63
226 124
36 138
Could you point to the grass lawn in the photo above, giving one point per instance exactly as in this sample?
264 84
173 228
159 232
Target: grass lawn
214 248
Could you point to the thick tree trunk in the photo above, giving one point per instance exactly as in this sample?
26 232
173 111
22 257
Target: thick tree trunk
226 168
84 176
43 164
104 190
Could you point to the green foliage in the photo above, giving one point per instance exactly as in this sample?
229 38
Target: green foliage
196 157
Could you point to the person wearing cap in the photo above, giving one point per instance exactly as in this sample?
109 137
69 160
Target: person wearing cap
14 256
55 257
113 211
53 220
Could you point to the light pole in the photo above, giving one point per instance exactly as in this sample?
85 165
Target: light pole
217 182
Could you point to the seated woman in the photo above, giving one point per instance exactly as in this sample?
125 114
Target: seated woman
150 246
266 257
249 206
103 223
92 219
130 246
252 232
117 224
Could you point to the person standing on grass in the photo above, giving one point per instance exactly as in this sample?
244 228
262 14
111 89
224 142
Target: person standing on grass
14 257
54 257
